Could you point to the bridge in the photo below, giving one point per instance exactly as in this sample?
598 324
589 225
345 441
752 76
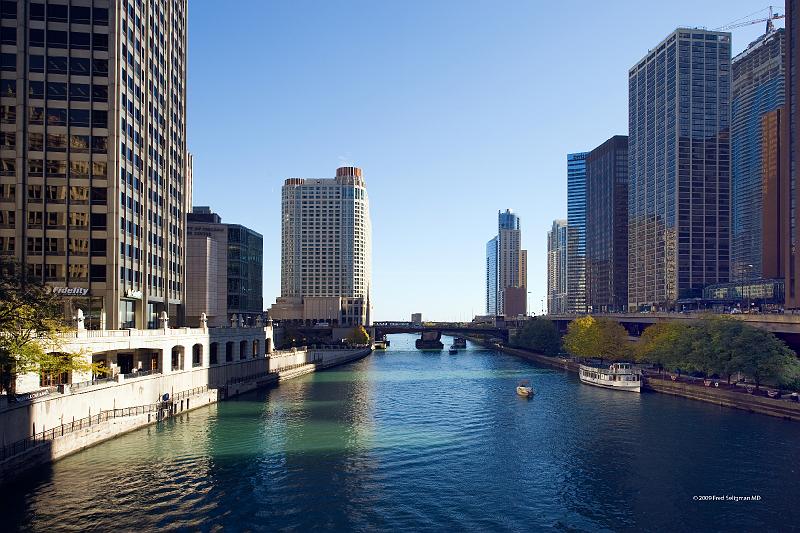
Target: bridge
499 330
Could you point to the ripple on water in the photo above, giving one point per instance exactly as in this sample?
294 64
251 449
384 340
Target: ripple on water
411 441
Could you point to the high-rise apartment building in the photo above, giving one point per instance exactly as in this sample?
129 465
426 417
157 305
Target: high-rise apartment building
557 268
94 172
224 270
607 226
506 268
576 232
491 277
326 245
757 89
679 168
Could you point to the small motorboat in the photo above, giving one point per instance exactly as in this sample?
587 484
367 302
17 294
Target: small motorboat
453 350
524 389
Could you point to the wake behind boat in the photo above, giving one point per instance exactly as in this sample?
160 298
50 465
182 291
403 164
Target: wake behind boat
621 376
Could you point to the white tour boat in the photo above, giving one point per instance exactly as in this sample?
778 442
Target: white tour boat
621 376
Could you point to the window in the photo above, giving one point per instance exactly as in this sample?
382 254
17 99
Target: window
79 40
8 62
55 90
56 38
35 115
79 117
79 66
56 117
36 37
101 16
100 41
79 92
99 118
36 63
100 93
57 65
57 142
80 15
8 167
100 67
98 221
57 13
97 272
79 143
79 169
8 88
8 35
8 9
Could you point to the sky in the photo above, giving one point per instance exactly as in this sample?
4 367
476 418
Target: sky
454 109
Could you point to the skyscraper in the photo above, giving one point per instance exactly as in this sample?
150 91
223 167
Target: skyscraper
326 251
607 226
557 268
576 232
491 276
94 172
791 156
679 169
506 268
758 89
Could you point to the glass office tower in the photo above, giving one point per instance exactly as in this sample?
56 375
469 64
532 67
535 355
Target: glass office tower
576 232
758 89
607 226
679 168
491 277
557 268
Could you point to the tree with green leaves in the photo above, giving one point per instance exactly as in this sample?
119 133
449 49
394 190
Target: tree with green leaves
597 337
763 357
661 344
358 335
539 335
31 323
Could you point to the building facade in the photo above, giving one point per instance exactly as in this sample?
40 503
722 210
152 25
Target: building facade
557 268
576 232
224 272
679 168
94 170
506 267
326 251
757 90
790 129
607 226
491 277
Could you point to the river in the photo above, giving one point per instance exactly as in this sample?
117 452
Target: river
406 440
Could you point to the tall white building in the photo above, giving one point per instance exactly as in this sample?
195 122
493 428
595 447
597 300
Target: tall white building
326 251
506 269
557 268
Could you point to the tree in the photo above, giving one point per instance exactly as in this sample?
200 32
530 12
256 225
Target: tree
358 335
660 344
31 321
540 335
590 337
762 356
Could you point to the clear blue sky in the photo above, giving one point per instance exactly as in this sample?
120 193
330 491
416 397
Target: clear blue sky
453 108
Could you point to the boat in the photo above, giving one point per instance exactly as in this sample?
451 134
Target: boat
524 389
379 345
619 376
453 350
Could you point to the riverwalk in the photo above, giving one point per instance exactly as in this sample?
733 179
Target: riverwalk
724 395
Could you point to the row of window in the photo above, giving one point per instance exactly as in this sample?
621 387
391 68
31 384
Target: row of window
76 40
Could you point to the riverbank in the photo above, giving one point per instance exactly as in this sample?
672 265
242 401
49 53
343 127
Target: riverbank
48 428
781 408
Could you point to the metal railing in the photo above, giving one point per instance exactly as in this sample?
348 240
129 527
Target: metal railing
46 435
98 381
141 373
28 396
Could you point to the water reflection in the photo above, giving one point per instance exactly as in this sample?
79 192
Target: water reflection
416 441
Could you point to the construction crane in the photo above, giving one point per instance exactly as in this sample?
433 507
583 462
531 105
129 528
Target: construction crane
769 20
